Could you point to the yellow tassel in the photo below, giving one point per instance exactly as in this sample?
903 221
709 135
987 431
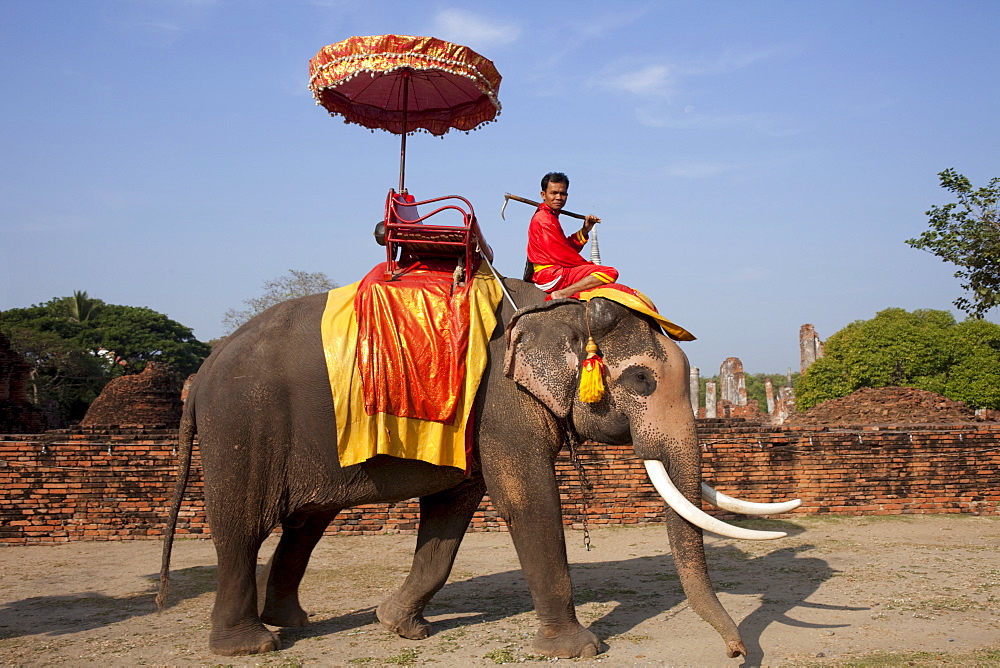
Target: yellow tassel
592 375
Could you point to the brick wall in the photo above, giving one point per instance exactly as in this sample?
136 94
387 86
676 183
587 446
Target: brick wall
108 484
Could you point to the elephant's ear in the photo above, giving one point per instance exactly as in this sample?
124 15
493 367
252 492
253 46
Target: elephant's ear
545 344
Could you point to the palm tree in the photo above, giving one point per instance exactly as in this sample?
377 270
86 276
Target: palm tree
81 307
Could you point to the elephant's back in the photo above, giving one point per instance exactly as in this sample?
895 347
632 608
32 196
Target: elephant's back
270 370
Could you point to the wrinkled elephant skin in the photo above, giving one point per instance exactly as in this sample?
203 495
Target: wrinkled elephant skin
263 412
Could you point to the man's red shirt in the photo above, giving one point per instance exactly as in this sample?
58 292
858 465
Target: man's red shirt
549 245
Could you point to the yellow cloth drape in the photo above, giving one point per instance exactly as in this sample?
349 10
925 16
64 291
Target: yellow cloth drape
360 436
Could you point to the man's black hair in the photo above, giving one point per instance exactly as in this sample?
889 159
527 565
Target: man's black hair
554 177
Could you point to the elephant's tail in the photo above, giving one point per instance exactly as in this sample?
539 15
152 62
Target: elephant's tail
185 443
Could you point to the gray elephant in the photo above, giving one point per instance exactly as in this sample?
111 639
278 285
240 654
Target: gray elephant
261 406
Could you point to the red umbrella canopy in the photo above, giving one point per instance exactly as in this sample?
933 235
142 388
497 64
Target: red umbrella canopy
401 84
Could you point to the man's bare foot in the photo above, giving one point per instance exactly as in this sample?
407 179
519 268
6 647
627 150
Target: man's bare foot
562 294
585 283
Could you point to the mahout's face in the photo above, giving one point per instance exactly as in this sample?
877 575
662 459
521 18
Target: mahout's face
555 195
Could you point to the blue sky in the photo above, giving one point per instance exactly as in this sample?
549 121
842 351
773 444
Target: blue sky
758 164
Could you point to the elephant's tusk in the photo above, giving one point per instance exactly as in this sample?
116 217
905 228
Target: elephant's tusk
665 486
720 500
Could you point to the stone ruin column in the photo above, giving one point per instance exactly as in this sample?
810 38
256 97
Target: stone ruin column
769 391
810 347
711 409
694 387
732 382
784 407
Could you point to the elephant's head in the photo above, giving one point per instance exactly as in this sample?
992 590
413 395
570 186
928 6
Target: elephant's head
646 402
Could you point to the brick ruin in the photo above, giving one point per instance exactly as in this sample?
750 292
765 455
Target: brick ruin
150 398
116 484
17 414
732 401
810 347
902 405
694 386
897 405
711 409
732 382
784 405
877 451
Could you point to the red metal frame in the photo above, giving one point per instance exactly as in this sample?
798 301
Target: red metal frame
417 241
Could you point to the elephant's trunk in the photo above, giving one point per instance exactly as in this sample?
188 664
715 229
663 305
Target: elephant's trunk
687 542
688 550
675 445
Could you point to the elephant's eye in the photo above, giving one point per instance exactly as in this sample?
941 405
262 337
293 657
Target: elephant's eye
639 379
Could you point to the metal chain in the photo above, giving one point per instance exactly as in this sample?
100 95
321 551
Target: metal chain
585 485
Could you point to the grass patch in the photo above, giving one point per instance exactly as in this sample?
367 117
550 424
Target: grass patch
405 658
992 579
854 520
634 638
509 654
936 604
980 657
502 655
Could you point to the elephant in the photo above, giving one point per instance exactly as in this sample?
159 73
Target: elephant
261 407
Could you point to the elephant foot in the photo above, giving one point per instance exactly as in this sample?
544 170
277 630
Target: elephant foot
287 614
409 624
237 642
567 644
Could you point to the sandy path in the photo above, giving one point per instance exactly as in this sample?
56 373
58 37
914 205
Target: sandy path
834 589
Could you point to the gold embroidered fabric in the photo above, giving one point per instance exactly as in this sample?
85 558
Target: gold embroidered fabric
361 435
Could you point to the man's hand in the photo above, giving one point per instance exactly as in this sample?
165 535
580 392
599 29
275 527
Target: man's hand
588 223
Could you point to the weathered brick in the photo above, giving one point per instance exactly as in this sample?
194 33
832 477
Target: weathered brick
936 469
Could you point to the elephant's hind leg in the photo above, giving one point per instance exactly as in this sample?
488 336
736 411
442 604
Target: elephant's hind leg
444 517
236 627
279 583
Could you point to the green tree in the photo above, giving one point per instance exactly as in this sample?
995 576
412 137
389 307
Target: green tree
72 354
974 376
59 371
79 307
925 349
277 290
134 335
967 234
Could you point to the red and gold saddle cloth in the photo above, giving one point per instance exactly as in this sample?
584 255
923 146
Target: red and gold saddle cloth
405 358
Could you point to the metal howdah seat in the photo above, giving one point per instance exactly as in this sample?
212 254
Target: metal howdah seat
448 232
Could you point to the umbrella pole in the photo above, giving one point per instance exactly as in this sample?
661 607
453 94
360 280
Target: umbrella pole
402 142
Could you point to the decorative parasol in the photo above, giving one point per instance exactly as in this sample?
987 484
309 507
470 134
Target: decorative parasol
404 84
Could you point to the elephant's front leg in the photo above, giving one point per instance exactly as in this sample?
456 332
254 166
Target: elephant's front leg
526 495
444 518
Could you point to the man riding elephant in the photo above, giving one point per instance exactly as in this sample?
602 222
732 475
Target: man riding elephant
559 269
266 417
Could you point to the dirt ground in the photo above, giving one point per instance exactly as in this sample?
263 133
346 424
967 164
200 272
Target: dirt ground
915 590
